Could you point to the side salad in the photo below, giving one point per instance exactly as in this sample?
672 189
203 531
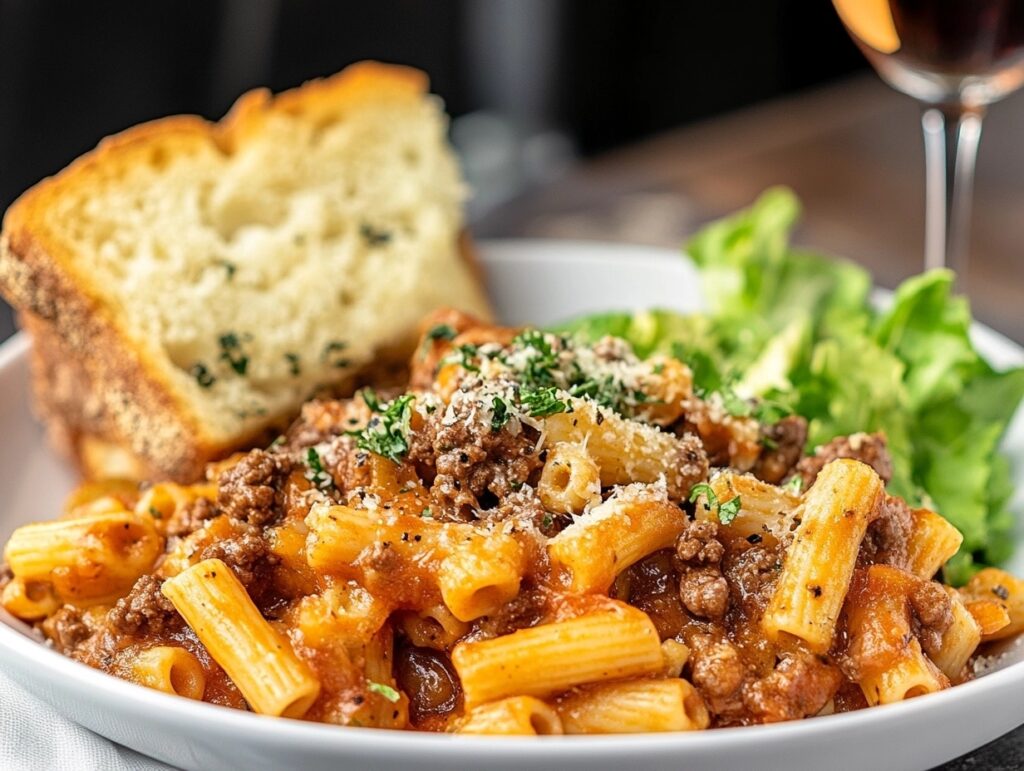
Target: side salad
790 331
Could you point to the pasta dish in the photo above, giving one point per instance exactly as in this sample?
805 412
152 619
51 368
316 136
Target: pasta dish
537 536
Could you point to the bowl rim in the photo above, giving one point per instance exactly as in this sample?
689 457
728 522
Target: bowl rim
16 638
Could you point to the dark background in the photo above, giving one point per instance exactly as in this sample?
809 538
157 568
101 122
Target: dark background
73 72
584 75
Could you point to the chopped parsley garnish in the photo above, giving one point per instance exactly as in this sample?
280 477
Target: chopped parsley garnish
427 513
384 690
763 410
658 368
229 268
374 236
795 485
607 392
441 332
547 521
370 398
499 416
232 353
436 332
318 476
155 513
543 402
537 370
726 511
387 432
463 356
203 376
736 405
331 354
293 364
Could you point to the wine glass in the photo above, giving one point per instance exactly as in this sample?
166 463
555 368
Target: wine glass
956 57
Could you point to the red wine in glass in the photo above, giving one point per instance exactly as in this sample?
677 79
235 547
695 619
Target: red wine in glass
957 57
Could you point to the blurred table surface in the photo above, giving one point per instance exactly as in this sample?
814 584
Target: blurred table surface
852 151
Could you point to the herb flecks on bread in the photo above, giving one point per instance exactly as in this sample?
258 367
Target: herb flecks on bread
189 283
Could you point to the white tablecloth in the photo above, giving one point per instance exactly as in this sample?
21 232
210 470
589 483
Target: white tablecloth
33 737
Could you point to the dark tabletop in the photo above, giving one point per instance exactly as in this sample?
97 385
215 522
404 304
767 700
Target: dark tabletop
853 154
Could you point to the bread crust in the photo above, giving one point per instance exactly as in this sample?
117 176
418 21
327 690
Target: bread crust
95 385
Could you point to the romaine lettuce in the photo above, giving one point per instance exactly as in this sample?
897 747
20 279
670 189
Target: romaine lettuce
799 329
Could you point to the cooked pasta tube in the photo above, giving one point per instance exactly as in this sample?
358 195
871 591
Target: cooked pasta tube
609 538
882 644
87 559
676 655
343 613
616 642
668 386
434 627
910 674
513 716
996 585
477 570
479 574
933 540
634 706
765 510
257 659
570 480
29 600
992 617
626 451
170 669
959 641
383 706
816 573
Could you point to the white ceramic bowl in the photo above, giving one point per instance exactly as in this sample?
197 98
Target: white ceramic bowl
537 282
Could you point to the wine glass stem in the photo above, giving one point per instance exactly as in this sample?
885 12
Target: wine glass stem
951 135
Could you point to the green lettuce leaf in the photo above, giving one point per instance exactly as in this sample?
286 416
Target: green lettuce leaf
798 327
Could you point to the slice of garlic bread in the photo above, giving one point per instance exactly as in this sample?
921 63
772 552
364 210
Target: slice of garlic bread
189 284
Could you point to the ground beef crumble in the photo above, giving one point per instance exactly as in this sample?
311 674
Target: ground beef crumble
249 489
474 463
799 686
783 444
68 629
191 517
867 448
933 611
887 539
143 609
248 556
702 587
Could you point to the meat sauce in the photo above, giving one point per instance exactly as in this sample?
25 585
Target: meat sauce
708 591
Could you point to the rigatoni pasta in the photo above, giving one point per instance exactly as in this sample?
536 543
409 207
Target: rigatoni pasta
171 669
530 541
85 558
618 641
634 706
605 541
257 658
835 514
512 716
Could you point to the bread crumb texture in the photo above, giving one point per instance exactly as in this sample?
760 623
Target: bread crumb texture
249 262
